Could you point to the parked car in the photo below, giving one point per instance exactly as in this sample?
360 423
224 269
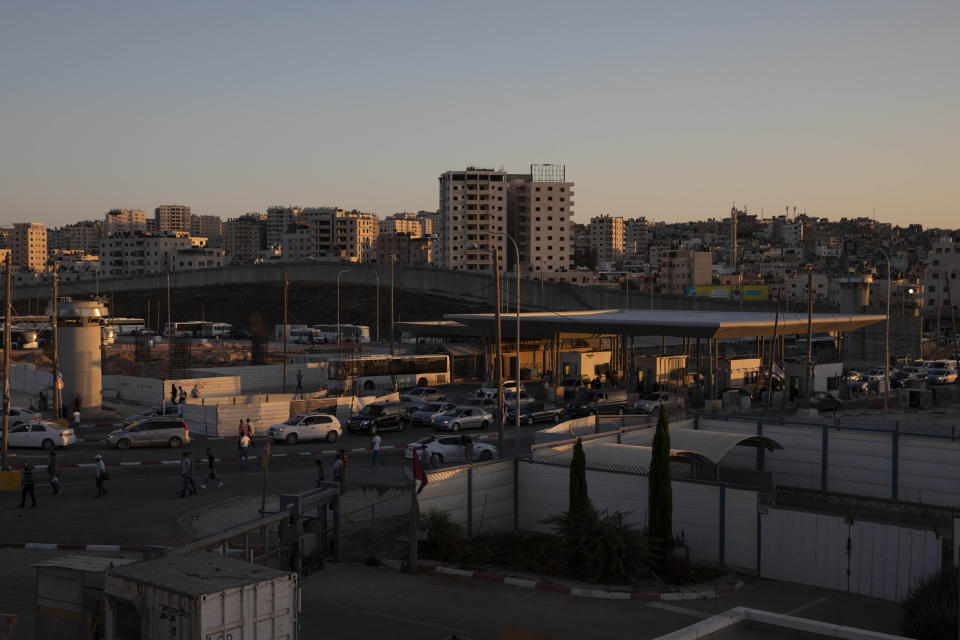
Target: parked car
875 382
44 434
858 384
380 416
823 401
169 431
941 375
899 379
19 416
489 389
425 394
651 403
463 418
487 404
240 334
588 402
442 449
510 398
307 426
423 416
152 412
531 412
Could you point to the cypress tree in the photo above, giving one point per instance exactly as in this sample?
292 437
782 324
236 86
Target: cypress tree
579 498
661 494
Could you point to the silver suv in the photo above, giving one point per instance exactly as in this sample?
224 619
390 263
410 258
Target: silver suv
170 432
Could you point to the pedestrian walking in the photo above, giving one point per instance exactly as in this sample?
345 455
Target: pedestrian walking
195 392
340 470
375 445
101 476
211 473
321 476
186 475
244 446
27 487
173 394
77 405
183 395
76 423
53 470
250 433
467 442
299 380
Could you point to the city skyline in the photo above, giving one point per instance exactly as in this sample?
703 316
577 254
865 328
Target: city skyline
668 112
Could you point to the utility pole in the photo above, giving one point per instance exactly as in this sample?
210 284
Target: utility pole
377 273
6 361
773 342
54 330
499 348
285 283
809 333
170 331
939 297
146 320
393 263
953 325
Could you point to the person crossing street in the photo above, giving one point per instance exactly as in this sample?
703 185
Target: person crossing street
375 445
101 476
211 474
186 475
53 470
27 488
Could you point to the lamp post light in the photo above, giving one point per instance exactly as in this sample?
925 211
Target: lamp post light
886 341
517 365
339 354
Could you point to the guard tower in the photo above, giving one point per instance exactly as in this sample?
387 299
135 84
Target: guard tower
79 348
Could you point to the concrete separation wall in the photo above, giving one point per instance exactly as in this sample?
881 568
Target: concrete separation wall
26 378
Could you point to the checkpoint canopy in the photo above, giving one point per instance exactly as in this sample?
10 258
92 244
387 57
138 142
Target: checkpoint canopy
682 324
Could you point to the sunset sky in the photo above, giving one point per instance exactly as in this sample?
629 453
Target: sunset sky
669 110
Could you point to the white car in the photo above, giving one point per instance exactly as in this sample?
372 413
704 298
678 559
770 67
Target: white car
489 390
449 449
19 416
307 426
42 433
651 403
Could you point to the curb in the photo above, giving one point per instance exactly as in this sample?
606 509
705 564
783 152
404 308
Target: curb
328 452
566 589
44 546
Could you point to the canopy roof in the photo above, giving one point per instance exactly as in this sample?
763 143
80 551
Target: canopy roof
686 324
711 445
612 456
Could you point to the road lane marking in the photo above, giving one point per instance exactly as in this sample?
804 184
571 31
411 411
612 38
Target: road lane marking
402 619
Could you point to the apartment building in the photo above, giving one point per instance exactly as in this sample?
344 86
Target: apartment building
27 242
410 224
680 268
408 250
197 257
607 239
355 236
539 211
636 236
244 237
124 220
82 236
299 242
139 253
321 221
278 220
942 273
210 227
172 217
473 213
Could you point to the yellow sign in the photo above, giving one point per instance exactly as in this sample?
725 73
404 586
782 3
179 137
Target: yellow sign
729 291
9 481
265 458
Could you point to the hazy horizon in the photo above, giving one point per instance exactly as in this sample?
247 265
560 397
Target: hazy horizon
669 111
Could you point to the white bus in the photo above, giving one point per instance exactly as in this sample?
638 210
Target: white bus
302 335
198 329
348 333
388 373
126 326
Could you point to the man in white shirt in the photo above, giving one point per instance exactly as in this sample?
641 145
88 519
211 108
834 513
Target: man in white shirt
376 450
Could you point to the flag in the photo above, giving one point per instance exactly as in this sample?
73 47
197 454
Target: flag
777 372
418 472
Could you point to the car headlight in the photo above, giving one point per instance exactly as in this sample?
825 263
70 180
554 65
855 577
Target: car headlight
278 429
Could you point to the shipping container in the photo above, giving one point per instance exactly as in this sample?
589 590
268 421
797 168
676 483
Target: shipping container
201 596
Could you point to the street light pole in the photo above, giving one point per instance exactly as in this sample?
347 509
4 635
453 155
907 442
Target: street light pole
6 360
54 326
377 273
517 367
886 342
339 355
393 263
285 283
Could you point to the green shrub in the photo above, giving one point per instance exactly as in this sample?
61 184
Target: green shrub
602 548
443 535
930 608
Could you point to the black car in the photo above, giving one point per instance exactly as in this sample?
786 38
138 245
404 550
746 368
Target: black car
823 401
531 412
588 402
380 416
240 334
